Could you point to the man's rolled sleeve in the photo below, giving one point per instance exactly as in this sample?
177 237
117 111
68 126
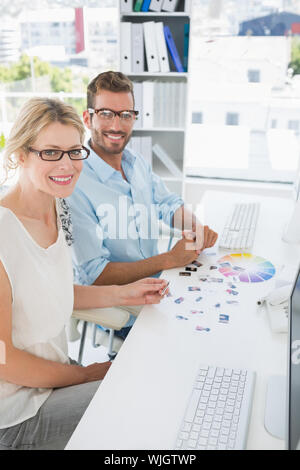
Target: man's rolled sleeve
87 273
167 202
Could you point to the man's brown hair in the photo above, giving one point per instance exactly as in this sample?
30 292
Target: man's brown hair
116 82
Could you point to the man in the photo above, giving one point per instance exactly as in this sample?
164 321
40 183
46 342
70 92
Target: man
118 199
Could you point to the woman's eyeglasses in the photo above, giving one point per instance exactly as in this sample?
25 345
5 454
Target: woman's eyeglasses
53 155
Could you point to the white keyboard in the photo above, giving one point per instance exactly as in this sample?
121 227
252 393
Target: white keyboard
240 226
218 412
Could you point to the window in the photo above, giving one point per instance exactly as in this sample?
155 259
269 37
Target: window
197 118
45 38
273 123
253 76
55 35
294 125
240 83
232 119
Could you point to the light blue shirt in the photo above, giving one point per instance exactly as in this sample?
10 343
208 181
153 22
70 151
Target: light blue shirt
115 220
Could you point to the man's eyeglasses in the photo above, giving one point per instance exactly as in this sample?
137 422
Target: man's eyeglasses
53 155
128 115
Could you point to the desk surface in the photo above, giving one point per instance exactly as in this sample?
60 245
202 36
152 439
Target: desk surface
141 401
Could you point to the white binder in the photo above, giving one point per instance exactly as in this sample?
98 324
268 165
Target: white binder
162 48
172 104
156 5
168 116
179 115
125 47
182 104
169 5
157 98
187 6
150 47
138 103
162 106
126 6
148 89
137 48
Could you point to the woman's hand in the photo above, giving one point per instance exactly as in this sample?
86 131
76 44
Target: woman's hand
144 291
96 371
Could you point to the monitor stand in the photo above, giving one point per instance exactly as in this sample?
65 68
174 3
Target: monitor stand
275 412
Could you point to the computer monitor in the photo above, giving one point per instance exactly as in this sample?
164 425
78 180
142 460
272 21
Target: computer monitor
293 401
282 413
291 233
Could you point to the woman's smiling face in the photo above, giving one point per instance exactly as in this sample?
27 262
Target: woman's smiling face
56 178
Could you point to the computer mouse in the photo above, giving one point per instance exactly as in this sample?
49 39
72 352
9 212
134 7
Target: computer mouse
279 296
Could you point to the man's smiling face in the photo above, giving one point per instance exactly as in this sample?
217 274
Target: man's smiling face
110 137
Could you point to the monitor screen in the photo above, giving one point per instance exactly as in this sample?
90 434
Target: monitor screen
294 369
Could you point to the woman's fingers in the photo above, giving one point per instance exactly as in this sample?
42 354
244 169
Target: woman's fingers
152 298
154 288
152 280
153 284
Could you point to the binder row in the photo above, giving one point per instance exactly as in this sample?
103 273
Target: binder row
153 40
128 6
160 104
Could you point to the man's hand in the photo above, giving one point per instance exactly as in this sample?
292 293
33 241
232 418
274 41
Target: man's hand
203 237
183 253
193 230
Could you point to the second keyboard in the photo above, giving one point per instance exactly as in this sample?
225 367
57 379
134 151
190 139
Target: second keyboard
240 226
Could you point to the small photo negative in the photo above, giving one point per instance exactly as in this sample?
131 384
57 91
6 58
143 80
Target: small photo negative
181 317
191 268
202 328
232 286
232 292
197 263
223 318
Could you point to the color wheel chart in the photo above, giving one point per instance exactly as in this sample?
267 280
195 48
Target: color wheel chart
246 267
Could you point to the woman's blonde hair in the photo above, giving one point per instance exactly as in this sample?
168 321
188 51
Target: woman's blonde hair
35 115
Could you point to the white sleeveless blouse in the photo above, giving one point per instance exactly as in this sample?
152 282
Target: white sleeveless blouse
42 289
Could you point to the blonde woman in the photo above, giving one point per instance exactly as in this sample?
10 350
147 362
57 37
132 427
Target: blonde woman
42 394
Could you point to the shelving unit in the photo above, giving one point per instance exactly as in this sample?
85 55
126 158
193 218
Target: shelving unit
176 14
170 137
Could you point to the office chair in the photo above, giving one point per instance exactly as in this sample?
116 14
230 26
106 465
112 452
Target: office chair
109 318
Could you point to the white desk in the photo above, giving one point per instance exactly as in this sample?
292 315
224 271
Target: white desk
141 402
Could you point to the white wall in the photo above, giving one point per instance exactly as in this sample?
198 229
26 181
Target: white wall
194 189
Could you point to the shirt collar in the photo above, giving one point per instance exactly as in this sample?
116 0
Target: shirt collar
104 170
